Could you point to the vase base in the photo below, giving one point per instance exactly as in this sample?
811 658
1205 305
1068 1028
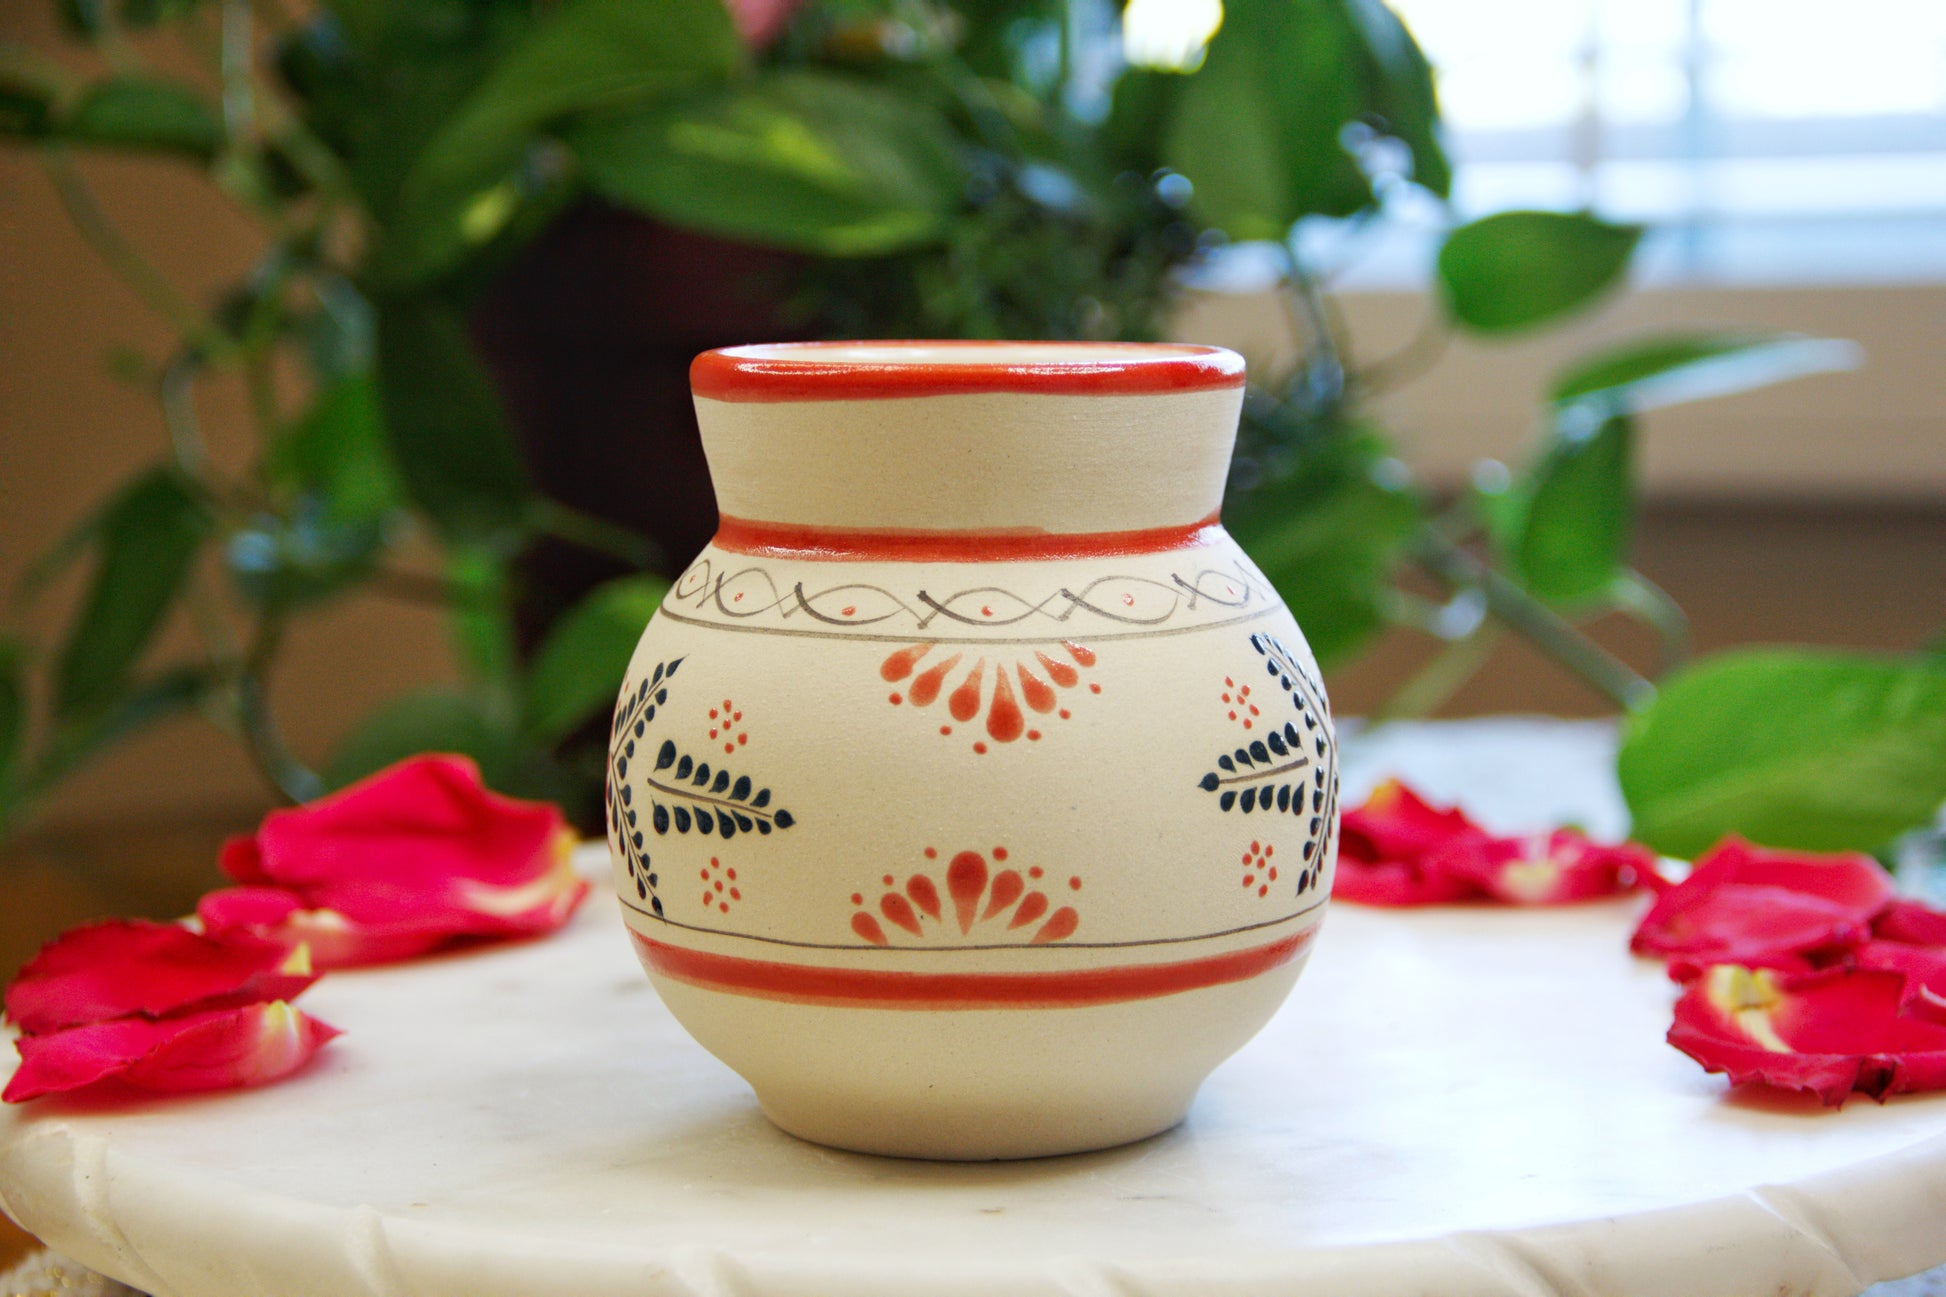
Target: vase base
995 1134
978 1084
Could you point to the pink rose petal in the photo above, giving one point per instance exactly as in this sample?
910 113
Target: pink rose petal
213 1050
333 940
131 966
417 854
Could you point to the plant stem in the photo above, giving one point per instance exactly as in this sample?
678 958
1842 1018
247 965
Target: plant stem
1309 314
1441 678
291 777
565 523
178 395
1540 624
134 269
1420 353
239 90
1637 595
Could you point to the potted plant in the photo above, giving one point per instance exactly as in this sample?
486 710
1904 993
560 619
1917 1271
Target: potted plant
438 175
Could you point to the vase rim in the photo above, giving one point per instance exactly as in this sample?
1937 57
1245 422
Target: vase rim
891 370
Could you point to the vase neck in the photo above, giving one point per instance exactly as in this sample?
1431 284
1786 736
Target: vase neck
996 464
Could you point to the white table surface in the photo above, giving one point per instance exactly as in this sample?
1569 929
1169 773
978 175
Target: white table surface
1456 1101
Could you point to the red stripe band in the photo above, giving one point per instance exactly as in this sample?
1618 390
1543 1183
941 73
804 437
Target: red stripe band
865 371
886 989
792 540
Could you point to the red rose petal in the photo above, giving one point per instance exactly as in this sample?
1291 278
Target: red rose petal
1912 923
214 1050
1831 1033
1745 905
1395 823
419 852
131 966
1545 869
1924 970
1392 883
333 940
1399 849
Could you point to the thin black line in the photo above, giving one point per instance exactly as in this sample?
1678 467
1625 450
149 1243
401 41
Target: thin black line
1066 633
1298 764
745 807
1005 945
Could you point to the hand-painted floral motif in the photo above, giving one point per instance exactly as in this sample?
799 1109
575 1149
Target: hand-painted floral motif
682 793
1238 706
1005 905
720 889
963 685
1289 769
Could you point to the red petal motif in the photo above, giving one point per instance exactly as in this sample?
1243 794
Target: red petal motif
210 1050
130 966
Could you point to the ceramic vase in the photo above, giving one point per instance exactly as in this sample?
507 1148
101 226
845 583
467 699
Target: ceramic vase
972 795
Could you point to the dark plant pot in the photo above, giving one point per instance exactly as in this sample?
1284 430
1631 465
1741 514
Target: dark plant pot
589 335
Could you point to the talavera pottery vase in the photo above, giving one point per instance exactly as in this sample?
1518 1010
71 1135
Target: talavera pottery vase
972 795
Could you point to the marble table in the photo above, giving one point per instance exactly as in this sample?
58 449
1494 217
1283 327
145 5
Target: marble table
1460 1101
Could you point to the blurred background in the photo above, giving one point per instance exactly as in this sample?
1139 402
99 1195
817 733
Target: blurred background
1788 159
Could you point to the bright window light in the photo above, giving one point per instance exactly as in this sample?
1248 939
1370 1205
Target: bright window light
1775 140
1169 34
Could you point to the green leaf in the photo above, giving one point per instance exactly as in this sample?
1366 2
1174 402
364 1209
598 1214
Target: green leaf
1400 91
79 737
579 667
444 424
86 19
1667 370
29 91
147 537
1328 533
585 54
810 161
1143 100
483 625
1515 270
1569 536
13 706
1789 747
338 451
1258 130
431 720
130 112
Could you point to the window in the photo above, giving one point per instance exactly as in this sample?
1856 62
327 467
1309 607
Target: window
1777 141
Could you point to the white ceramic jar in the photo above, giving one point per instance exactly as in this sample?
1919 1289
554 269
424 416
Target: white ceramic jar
972 794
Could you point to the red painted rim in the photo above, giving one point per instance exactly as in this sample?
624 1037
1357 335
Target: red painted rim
865 370
848 544
868 988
